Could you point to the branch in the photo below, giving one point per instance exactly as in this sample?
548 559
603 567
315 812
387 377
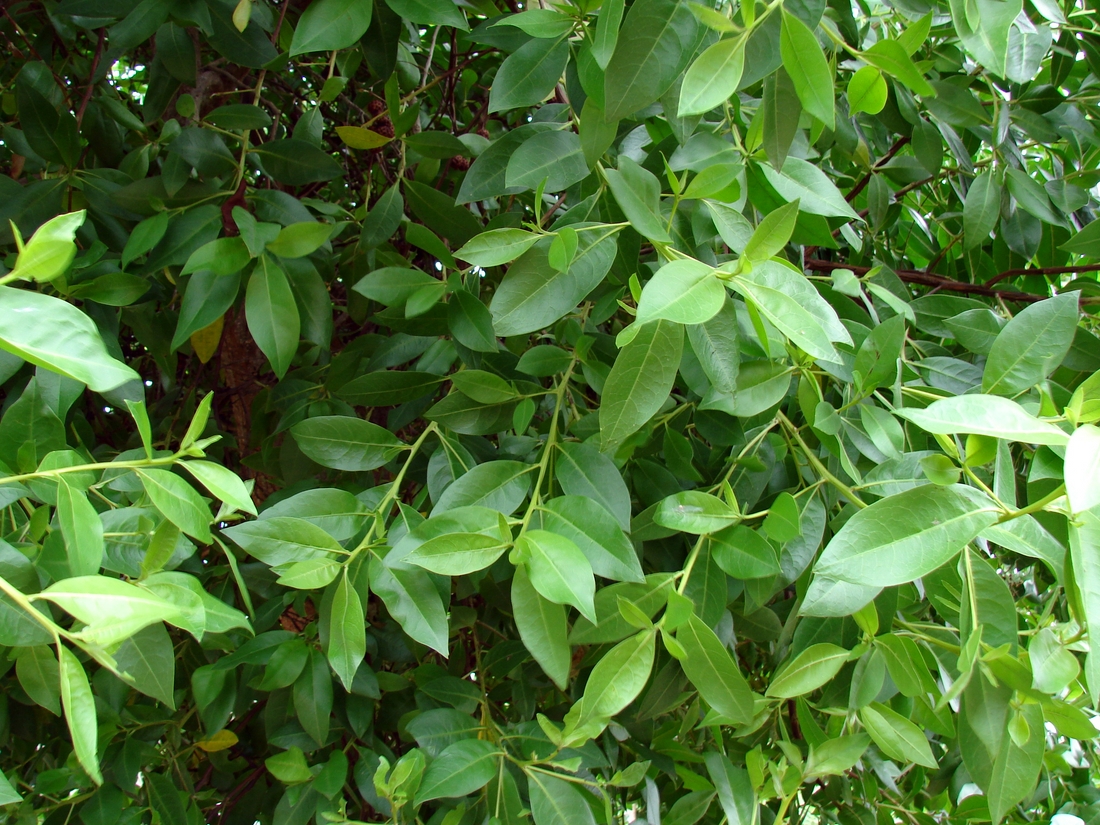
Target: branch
91 77
866 179
913 276
1049 270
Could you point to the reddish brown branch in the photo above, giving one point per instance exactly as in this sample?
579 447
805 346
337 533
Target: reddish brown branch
866 179
91 77
1048 270
913 276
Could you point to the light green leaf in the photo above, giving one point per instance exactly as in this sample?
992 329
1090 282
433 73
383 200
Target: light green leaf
712 78
984 415
981 209
272 314
556 802
684 291
178 501
640 380
80 715
1031 346
694 511
713 671
82 529
497 246
1082 468
772 234
638 193
808 671
906 536
896 736
615 681
460 769
808 69
330 25
347 640
542 628
816 194
529 74
558 570
587 523
222 483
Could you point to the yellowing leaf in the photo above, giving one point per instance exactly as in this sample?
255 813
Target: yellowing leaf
359 137
219 741
205 341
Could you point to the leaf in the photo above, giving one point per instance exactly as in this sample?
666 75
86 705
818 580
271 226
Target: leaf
587 524
714 672
558 570
39 674
1031 346
345 443
297 162
906 536
772 234
529 75
896 736
283 540
656 41
615 681
1016 769
299 239
712 78
815 193
638 194
640 380
347 641
148 660
984 415
555 801
460 769
554 157
272 314
498 485
178 501
791 303
808 671
53 334
1082 468
330 25
223 483
684 291
890 57
867 91
607 32
693 511
744 553
542 628
359 137
717 345
80 714
470 322
82 529
313 697
8 794
808 69
981 209
735 792
412 599
436 12
457 554
497 246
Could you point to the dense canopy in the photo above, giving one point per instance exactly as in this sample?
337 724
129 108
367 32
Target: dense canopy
470 413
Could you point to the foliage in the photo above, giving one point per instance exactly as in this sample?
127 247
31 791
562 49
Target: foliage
460 413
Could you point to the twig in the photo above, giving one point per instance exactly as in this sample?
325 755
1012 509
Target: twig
91 77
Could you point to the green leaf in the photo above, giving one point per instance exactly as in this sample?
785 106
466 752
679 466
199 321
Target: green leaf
836 756
1082 468
713 77
542 628
587 523
582 470
890 57
178 501
238 117
39 674
8 794
435 12
744 553
607 32
412 599
796 309
615 681
498 485
735 791
554 157
282 540
684 291
640 380
272 314
299 239
385 388
808 69
906 536
470 322
148 661
457 554
80 715
495 247
529 75
717 345
556 802
772 234
313 697
347 640
460 769
222 483
82 529
345 443
981 209
1031 346
329 25
713 671
693 511
297 162
289 766
815 193
1016 768
112 609
638 194
896 736
808 671
984 415
483 386
867 91
655 44
558 570
53 334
